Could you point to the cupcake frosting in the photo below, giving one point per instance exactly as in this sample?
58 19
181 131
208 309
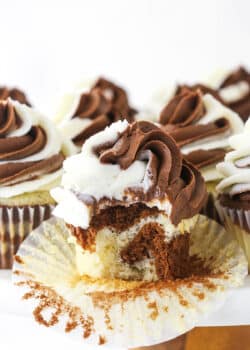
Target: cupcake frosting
236 167
84 113
14 94
125 164
200 125
31 153
235 92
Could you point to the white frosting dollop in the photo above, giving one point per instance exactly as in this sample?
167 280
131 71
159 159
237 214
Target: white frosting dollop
235 169
234 92
54 145
85 174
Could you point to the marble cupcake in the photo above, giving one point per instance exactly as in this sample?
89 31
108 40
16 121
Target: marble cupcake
234 188
91 108
234 90
31 156
201 126
13 93
126 261
124 203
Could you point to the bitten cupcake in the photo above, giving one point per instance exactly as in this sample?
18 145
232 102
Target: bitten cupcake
234 189
86 111
124 203
201 126
14 93
31 156
235 92
125 260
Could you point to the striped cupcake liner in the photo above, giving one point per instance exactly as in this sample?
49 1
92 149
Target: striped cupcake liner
15 224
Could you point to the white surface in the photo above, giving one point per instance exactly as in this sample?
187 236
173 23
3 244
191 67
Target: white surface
19 330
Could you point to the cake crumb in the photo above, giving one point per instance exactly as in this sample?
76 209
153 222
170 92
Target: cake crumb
155 313
102 340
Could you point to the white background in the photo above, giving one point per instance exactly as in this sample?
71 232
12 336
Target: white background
46 46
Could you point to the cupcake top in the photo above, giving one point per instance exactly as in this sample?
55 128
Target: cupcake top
235 186
200 125
84 113
14 93
126 164
235 92
31 150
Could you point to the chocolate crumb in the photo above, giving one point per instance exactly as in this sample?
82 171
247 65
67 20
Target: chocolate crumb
102 340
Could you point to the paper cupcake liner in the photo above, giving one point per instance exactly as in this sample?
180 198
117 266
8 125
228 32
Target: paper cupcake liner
209 209
15 224
124 313
237 221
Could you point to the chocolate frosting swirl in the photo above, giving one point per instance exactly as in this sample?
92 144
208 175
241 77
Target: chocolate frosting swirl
180 119
14 149
242 105
170 176
14 94
203 88
118 97
103 104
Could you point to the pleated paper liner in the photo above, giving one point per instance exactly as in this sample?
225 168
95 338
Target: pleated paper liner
237 221
15 224
121 313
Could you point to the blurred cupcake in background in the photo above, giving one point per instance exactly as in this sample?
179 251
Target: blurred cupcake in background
201 126
234 189
31 156
234 90
14 93
89 109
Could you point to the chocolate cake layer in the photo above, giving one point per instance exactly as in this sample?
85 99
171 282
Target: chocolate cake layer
118 217
170 258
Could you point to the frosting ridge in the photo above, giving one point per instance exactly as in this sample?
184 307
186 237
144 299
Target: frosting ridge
200 125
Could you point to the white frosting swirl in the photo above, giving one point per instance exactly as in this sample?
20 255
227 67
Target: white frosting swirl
234 92
236 167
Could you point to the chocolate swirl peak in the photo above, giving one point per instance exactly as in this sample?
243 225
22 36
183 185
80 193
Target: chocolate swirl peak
30 150
14 93
120 108
183 109
126 164
91 111
203 88
200 125
235 91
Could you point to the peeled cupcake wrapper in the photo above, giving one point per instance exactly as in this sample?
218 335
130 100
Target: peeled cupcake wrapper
236 220
15 224
124 313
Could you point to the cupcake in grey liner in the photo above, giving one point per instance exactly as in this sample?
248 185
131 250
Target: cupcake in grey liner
31 156
234 189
